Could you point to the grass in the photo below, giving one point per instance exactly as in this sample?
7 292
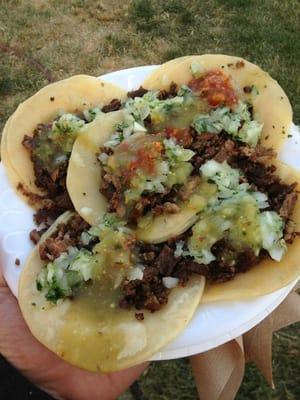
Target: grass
93 37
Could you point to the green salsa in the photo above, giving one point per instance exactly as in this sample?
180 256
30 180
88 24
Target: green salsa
236 219
52 143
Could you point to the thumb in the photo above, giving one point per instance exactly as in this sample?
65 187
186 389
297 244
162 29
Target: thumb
2 280
44 368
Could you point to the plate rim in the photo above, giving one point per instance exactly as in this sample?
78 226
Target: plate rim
188 350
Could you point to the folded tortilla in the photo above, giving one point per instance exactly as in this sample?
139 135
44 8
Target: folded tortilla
264 278
268 275
74 94
91 331
271 105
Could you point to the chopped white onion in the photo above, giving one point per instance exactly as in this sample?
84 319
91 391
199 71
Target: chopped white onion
135 273
170 282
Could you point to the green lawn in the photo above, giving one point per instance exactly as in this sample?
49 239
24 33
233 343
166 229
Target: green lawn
40 40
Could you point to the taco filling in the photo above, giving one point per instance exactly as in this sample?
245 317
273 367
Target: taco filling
150 165
186 166
71 291
235 232
78 256
142 171
50 148
243 217
243 224
197 147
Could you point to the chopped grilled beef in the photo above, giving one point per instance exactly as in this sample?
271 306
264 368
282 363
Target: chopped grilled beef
163 94
36 234
64 201
288 203
66 235
151 202
158 209
53 182
160 261
139 316
28 142
116 204
76 225
166 202
48 210
149 293
32 197
258 154
107 188
226 152
230 261
148 256
52 209
148 123
166 261
290 232
139 208
167 94
43 179
206 146
247 89
282 196
255 163
114 105
145 247
52 248
111 189
185 268
137 93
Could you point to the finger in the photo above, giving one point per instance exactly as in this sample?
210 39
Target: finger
45 369
2 280
102 386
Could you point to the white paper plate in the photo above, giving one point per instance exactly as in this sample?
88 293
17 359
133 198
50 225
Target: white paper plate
213 324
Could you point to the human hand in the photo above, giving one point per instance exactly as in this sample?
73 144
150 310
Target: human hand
56 377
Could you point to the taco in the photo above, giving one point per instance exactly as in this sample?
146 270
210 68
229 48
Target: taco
38 138
212 76
189 125
91 203
175 161
81 296
277 264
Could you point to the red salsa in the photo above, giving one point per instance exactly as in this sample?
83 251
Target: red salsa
215 87
182 135
145 158
138 155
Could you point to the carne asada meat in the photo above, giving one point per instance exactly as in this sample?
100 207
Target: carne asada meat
67 235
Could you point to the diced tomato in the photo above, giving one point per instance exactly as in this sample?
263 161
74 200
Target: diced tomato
182 135
215 87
